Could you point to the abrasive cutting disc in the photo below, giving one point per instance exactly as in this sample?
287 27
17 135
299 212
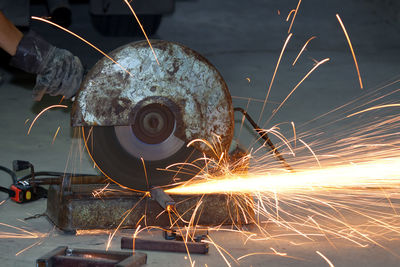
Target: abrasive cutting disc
139 114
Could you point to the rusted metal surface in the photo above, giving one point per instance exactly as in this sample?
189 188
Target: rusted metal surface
79 209
69 257
185 82
163 245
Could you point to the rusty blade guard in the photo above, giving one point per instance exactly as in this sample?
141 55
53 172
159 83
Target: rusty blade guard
143 108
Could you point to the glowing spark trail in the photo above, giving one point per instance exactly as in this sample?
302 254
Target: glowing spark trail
83 40
55 135
278 253
362 175
273 76
141 27
43 111
25 249
374 108
290 13
294 16
325 258
351 48
294 89
312 152
302 49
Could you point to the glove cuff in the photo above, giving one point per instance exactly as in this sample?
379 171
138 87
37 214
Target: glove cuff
32 53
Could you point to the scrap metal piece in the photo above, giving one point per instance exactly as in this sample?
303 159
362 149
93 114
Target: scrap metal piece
139 109
164 245
64 256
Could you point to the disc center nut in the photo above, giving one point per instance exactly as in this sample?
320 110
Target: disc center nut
154 123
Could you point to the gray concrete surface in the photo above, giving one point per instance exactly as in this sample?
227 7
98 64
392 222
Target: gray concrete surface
243 40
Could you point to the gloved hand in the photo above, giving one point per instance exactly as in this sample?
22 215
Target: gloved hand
58 71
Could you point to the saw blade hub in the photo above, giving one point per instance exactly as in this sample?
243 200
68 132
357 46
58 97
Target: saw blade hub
154 123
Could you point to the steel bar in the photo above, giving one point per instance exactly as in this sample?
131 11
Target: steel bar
165 245
161 197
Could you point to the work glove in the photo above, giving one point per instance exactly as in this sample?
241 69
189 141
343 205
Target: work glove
58 71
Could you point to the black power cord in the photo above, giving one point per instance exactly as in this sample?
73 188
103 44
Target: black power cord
51 175
264 136
26 189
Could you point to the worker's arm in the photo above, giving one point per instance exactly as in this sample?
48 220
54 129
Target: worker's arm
10 36
58 71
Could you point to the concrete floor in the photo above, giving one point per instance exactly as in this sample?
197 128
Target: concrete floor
243 40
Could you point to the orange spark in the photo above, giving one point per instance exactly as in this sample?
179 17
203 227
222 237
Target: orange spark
325 258
373 108
302 49
294 16
290 13
25 234
278 253
273 76
141 27
344 176
83 40
134 238
312 152
351 48
302 80
25 249
43 111
145 172
294 134
111 236
267 253
55 135
220 249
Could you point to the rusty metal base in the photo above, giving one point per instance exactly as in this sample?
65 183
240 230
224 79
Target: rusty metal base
79 209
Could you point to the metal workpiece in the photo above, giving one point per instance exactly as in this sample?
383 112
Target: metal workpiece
164 245
184 82
162 198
